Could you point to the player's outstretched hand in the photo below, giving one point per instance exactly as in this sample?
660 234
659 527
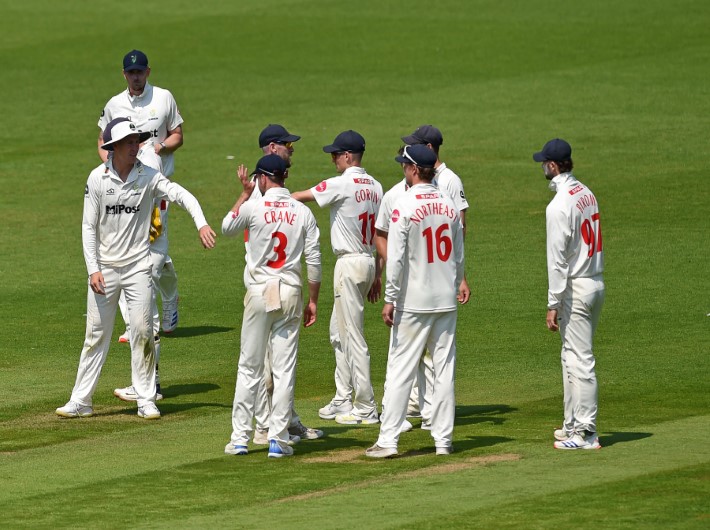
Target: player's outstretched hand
552 324
464 292
375 291
309 314
247 183
97 283
388 314
207 236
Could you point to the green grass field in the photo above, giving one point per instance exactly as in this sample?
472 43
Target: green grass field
626 83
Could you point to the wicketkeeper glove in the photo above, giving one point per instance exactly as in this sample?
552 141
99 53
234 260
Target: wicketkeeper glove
156 226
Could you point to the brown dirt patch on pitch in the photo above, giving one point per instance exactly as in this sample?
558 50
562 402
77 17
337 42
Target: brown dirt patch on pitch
437 469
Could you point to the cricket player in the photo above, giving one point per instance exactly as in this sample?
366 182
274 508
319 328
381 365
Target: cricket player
281 230
425 268
575 263
274 139
449 182
354 200
151 109
118 202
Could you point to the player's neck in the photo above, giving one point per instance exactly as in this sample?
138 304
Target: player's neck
123 166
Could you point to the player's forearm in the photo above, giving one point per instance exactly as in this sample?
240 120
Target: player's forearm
313 291
172 142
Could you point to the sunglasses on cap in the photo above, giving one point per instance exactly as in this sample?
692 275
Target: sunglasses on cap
407 155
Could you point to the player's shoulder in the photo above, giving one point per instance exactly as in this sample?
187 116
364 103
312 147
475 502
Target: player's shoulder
162 92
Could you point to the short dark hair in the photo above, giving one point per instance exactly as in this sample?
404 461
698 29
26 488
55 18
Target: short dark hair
565 166
426 173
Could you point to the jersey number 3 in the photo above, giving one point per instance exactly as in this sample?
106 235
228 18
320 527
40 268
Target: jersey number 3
279 250
592 240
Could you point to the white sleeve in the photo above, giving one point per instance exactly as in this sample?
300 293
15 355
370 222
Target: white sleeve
235 222
454 187
329 191
396 252
457 229
90 221
558 235
384 214
173 118
105 117
311 248
179 195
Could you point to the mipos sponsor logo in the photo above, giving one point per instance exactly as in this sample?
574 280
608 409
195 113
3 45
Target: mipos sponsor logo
118 209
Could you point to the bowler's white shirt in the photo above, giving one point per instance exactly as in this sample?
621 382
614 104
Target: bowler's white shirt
450 182
281 230
354 199
154 111
425 252
572 216
116 221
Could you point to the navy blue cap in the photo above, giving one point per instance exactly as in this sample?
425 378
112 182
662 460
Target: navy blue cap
117 129
425 134
555 150
272 166
417 154
349 141
276 133
135 60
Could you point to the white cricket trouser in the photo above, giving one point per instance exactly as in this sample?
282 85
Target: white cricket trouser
579 315
164 281
281 328
135 281
411 333
353 277
420 397
343 374
262 411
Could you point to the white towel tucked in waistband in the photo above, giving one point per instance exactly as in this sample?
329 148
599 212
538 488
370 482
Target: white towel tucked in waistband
272 295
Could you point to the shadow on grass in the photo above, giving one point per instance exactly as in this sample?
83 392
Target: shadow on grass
182 390
461 446
612 438
472 414
195 331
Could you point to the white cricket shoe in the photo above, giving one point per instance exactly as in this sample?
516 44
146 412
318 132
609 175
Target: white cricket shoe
380 452
426 425
170 315
231 449
406 426
129 394
356 419
124 337
261 437
149 411
585 440
305 433
561 434
444 450
332 409
74 410
279 449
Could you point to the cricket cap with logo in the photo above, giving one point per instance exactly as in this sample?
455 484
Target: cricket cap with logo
418 154
135 60
276 133
272 166
347 142
425 134
117 129
556 150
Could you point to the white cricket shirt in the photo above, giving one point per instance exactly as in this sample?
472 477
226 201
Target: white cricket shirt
387 205
450 182
354 199
154 111
116 222
281 230
425 252
574 236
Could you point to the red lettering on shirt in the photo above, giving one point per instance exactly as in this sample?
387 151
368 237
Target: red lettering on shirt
576 189
321 187
395 216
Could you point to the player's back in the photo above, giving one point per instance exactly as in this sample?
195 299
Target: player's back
431 254
281 230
